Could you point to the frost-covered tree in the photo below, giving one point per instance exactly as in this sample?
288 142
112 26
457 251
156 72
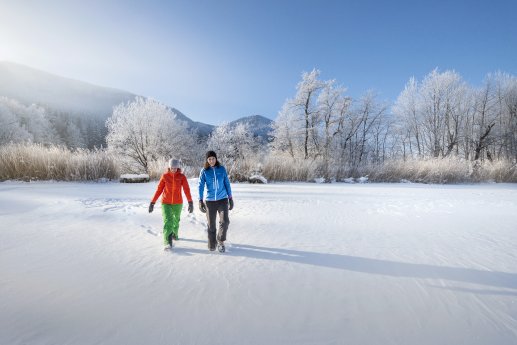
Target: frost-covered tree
369 119
441 97
67 129
145 130
25 123
39 125
443 116
506 126
235 146
479 124
434 113
296 125
10 129
94 131
407 112
333 109
383 137
318 125
287 132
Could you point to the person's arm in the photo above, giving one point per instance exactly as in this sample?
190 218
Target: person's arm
186 188
228 190
201 184
157 194
227 184
201 187
159 190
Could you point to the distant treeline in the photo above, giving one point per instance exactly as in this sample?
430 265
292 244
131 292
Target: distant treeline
39 124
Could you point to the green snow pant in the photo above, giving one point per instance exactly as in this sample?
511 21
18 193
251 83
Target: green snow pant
171 221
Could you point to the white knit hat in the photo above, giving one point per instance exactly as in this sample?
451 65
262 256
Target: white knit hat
174 163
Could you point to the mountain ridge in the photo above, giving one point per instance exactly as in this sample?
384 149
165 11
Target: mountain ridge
32 86
29 85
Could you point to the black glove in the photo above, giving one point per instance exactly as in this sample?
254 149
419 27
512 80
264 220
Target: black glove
231 203
151 207
190 207
202 206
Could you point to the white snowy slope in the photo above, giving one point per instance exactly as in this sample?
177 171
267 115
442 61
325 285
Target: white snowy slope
82 263
29 85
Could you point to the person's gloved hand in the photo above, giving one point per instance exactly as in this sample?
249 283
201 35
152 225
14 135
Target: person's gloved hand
190 207
231 203
202 206
151 207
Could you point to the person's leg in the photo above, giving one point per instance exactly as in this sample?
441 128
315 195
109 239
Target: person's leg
176 215
167 223
224 220
211 213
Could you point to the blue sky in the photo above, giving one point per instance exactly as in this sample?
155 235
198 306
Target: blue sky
220 60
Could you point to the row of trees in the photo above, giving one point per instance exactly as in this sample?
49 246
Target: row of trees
321 123
20 123
439 117
443 116
145 131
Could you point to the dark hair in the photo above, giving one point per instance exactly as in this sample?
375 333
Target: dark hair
208 155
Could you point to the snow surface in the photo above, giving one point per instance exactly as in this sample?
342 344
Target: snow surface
82 263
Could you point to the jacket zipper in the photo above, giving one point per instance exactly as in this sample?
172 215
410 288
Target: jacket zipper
215 179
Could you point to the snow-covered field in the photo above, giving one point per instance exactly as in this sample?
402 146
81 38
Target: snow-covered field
82 263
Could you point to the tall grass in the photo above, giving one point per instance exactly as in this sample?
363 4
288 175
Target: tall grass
38 162
498 171
451 170
426 171
284 168
442 171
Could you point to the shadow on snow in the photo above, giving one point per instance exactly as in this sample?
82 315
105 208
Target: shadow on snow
377 266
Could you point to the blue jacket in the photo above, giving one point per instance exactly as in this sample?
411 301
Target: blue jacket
217 183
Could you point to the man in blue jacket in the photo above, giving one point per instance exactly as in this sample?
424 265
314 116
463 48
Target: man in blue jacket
218 200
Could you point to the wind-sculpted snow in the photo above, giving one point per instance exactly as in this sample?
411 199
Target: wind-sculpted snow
82 263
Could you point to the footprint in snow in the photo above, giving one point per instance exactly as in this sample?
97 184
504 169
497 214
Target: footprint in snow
113 204
149 230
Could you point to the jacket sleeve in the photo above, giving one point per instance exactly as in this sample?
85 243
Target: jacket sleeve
186 188
159 190
201 184
227 184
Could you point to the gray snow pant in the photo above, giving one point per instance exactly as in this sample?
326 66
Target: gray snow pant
212 209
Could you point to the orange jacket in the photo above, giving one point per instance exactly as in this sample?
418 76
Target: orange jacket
170 188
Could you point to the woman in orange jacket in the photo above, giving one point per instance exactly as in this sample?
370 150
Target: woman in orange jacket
169 188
